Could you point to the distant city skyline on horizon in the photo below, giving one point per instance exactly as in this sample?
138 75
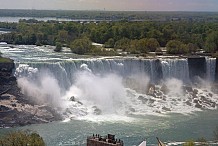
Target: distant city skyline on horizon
113 5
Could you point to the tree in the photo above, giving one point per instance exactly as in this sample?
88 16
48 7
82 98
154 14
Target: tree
20 138
189 143
173 47
81 46
133 47
62 36
192 48
152 44
211 44
58 47
142 45
123 44
110 43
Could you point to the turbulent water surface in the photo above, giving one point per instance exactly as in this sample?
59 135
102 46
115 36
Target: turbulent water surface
130 97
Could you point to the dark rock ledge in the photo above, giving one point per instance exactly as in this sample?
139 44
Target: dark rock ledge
17 109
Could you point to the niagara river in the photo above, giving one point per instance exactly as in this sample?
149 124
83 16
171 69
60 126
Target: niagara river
173 98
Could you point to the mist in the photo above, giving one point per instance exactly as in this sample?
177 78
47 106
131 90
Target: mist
106 92
42 88
175 86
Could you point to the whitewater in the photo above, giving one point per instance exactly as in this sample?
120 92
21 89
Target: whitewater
121 95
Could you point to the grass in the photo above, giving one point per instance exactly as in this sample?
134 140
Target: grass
5 60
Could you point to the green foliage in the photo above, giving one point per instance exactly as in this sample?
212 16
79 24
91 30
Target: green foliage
137 37
21 138
123 44
58 47
81 46
174 47
215 55
110 43
5 60
102 51
152 44
192 48
211 44
189 143
142 45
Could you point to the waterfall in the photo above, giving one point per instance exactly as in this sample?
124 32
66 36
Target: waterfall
155 69
210 69
175 68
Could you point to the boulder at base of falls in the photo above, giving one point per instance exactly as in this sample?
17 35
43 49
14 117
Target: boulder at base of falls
150 89
142 99
188 88
197 105
166 109
96 110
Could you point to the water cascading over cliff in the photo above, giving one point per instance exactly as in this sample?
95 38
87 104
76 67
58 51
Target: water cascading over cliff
108 86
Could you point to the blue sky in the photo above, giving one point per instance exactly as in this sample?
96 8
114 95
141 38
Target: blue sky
140 5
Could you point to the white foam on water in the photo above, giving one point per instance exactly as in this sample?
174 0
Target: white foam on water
98 94
106 118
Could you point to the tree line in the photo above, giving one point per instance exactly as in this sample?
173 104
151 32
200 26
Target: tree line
180 37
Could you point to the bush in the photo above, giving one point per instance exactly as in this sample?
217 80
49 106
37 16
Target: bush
81 46
189 143
22 138
5 60
215 55
58 47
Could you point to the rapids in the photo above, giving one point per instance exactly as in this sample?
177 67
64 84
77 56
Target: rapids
83 87
122 95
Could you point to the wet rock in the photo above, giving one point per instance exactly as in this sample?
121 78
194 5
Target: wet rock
193 95
96 110
80 102
203 98
4 108
72 98
188 88
166 109
197 105
158 95
143 99
132 109
151 89
195 101
195 91
213 105
17 109
4 97
210 94
151 100
188 103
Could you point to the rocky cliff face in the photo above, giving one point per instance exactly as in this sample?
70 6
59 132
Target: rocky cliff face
197 67
15 108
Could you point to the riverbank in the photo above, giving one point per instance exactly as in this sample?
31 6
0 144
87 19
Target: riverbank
16 109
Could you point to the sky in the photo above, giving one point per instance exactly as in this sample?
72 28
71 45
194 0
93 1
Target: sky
132 5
